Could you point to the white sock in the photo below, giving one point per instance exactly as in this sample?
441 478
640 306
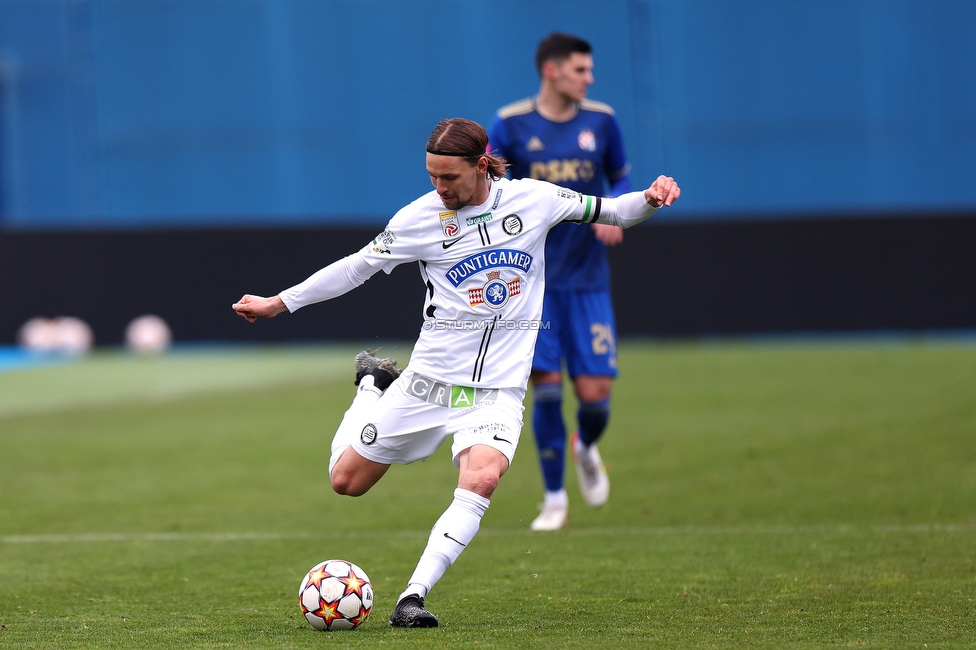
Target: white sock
557 498
355 418
452 532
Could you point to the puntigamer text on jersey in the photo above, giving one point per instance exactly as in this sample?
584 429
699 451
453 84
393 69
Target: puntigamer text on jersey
499 258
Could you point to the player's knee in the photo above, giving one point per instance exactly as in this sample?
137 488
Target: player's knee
482 483
542 378
346 484
593 389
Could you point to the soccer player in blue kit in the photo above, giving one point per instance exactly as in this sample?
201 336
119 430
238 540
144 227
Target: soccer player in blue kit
562 137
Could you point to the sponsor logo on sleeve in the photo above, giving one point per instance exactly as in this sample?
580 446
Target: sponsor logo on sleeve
383 241
498 197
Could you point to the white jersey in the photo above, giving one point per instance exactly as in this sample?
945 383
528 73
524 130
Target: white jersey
484 267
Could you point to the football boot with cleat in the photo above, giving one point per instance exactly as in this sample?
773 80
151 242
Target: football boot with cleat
383 371
410 612
593 480
553 517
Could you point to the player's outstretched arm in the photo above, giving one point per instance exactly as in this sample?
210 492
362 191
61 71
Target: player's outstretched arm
663 191
250 307
634 207
334 280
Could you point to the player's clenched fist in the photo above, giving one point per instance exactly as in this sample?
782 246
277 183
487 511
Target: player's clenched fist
663 191
250 307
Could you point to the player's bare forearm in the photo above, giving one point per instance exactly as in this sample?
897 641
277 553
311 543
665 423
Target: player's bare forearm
608 235
251 307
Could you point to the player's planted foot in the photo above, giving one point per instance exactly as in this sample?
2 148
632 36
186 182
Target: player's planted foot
410 612
593 480
383 371
552 517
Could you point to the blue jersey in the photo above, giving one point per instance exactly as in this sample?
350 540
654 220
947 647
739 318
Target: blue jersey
584 154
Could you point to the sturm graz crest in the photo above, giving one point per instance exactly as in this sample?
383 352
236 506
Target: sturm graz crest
512 225
368 436
496 292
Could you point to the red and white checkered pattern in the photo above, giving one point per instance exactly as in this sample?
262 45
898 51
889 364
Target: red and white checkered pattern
477 296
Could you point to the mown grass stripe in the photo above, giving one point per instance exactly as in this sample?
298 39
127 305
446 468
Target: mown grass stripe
584 532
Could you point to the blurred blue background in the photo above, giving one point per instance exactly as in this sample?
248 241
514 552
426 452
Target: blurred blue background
156 113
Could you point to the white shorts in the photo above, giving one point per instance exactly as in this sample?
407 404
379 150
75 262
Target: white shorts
416 413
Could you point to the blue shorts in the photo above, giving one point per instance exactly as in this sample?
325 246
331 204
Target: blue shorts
581 331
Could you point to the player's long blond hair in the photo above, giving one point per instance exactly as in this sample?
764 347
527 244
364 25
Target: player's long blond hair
457 136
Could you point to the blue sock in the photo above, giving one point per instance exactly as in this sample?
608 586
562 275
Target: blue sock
550 433
593 418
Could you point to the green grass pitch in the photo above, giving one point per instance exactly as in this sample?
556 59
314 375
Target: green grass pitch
763 495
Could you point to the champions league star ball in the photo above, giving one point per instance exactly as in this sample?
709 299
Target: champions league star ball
336 595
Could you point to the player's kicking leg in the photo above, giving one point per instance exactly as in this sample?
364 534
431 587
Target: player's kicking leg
351 474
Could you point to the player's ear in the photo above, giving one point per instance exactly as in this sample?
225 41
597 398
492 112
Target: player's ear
549 69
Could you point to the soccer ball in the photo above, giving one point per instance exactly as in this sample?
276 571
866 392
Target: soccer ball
336 595
74 336
148 334
64 334
39 335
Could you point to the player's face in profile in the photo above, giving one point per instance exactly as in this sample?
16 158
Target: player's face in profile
573 76
455 179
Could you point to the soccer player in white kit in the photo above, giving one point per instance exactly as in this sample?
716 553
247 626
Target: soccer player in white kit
479 239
